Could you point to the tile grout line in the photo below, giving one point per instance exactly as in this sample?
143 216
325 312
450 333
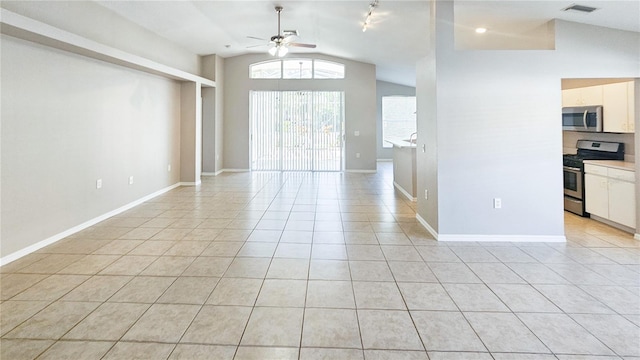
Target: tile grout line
404 229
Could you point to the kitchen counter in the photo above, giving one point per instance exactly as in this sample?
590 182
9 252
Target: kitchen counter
616 164
400 143
404 167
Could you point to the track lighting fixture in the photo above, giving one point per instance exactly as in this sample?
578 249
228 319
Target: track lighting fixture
367 19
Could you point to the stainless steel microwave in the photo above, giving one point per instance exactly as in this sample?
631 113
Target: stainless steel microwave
582 118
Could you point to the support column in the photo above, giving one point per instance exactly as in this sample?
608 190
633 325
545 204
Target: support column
212 114
190 133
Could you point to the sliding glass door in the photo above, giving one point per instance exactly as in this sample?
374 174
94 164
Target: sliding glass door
297 130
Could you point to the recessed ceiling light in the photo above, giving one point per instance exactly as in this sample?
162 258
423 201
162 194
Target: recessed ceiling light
481 30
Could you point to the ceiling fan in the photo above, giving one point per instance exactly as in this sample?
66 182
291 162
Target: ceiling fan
282 40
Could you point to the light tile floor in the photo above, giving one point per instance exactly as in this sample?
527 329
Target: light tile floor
315 266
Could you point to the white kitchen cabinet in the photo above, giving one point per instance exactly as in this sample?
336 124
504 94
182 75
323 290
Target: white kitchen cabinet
610 194
590 95
622 202
596 188
570 97
617 102
631 108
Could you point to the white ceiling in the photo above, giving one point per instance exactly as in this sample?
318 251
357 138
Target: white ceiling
395 40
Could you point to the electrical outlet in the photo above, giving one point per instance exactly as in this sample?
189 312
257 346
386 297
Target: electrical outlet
130 180
357 155
169 168
356 133
426 194
99 184
497 203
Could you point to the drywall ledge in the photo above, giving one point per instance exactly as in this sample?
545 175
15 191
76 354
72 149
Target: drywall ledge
491 238
28 29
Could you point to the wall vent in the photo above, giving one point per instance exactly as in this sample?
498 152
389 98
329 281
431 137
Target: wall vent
580 8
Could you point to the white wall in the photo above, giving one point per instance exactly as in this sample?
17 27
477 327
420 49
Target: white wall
67 121
359 87
496 140
498 133
384 88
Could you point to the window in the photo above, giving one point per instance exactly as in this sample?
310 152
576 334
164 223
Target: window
265 70
297 130
296 69
328 70
398 118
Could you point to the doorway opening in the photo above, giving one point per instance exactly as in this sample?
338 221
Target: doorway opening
297 130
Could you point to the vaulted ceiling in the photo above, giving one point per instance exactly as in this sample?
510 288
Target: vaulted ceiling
394 41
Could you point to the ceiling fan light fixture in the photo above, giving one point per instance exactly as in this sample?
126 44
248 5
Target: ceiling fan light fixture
280 43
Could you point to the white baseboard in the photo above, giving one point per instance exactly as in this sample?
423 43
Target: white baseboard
490 238
426 225
404 192
213 173
186 183
361 171
234 170
503 238
50 240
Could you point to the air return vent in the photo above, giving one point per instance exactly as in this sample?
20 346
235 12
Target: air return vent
580 8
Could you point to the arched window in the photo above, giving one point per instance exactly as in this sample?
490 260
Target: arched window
296 69
266 70
327 70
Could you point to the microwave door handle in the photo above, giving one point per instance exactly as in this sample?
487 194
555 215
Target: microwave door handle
584 119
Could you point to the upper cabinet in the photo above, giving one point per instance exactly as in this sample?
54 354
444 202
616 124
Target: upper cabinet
617 102
631 106
591 95
617 107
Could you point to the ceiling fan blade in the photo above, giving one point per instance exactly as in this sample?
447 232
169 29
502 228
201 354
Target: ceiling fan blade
253 46
257 38
311 46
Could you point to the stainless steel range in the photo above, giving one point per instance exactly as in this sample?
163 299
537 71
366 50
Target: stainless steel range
573 169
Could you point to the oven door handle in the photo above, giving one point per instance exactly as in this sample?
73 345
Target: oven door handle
584 119
571 168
